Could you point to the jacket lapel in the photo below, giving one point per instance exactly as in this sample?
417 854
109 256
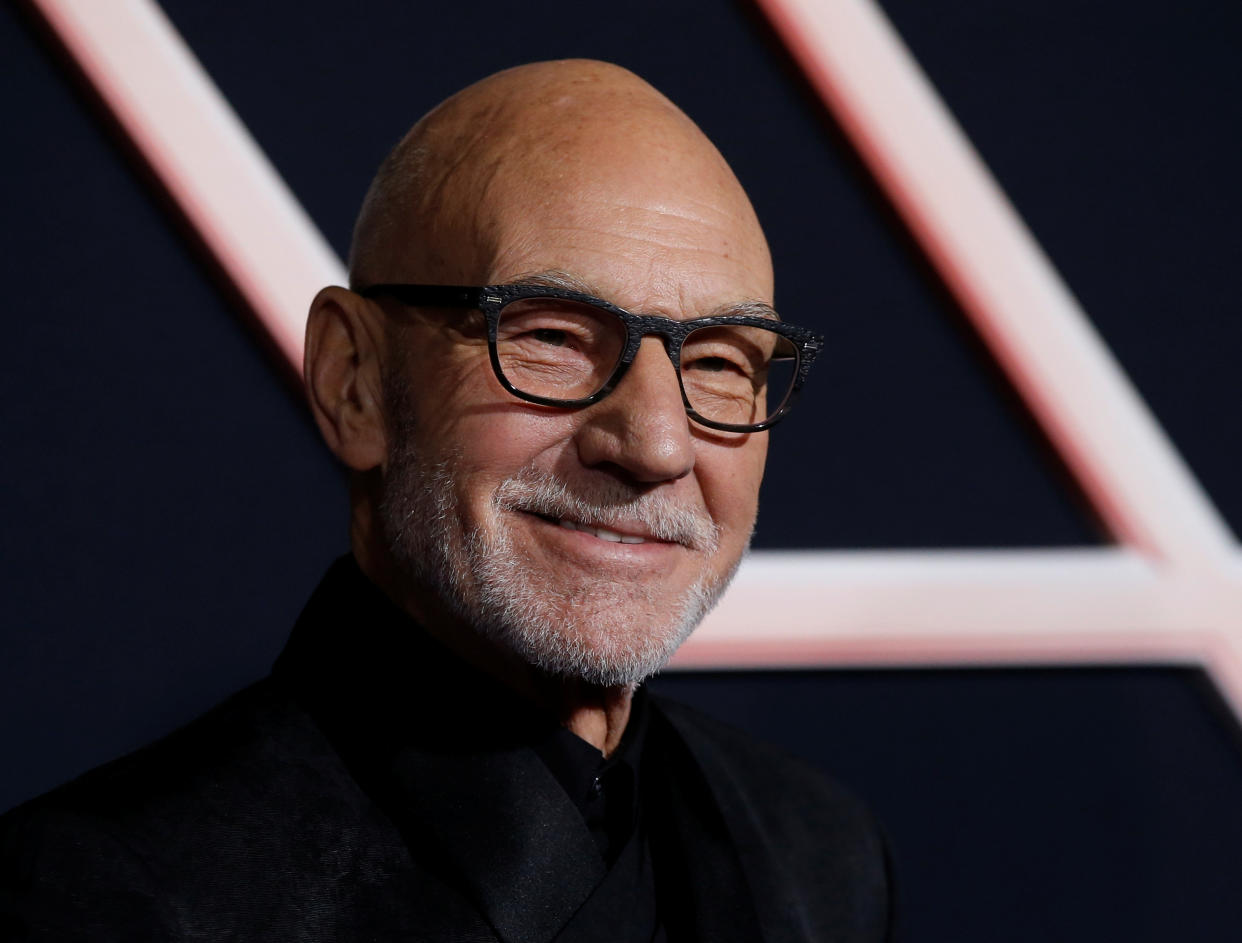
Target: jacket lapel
505 827
738 885
701 883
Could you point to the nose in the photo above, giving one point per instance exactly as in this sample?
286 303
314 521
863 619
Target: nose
640 430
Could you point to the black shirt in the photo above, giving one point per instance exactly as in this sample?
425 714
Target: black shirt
605 790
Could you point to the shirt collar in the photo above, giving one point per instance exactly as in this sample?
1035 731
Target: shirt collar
578 766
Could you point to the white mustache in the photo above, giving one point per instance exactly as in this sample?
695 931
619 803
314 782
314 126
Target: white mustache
610 505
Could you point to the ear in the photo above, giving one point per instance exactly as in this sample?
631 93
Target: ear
342 367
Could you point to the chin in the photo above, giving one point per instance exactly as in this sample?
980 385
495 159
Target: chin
595 635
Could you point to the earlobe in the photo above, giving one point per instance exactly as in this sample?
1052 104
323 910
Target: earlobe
342 368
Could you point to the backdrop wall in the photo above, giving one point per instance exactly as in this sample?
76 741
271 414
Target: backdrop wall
167 505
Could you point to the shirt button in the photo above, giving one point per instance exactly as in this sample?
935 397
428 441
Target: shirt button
596 788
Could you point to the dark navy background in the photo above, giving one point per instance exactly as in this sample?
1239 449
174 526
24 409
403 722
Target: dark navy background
167 505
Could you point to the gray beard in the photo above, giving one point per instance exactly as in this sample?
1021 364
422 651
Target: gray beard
585 634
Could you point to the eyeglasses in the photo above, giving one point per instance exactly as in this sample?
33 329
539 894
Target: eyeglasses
738 372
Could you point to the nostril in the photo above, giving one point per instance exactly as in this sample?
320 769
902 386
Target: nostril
645 436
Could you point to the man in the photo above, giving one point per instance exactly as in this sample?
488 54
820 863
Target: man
555 467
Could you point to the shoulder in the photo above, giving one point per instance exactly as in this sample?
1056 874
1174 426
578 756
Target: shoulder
218 804
199 765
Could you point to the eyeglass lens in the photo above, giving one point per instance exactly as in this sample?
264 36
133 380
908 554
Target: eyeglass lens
559 349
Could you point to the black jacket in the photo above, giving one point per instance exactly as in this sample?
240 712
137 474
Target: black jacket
352 796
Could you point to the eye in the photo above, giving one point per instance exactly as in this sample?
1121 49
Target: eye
550 324
710 365
550 336
716 355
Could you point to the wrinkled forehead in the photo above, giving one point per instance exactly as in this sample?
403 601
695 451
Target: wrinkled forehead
583 185
641 246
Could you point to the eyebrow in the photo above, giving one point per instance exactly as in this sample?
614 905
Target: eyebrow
754 309
567 281
555 278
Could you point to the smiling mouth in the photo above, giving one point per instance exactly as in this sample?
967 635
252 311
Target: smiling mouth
616 513
603 533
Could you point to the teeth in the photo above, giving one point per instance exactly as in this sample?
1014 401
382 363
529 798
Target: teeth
601 533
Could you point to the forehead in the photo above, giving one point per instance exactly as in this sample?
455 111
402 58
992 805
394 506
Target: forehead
657 242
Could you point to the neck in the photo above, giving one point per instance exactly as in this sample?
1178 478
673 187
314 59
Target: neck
596 714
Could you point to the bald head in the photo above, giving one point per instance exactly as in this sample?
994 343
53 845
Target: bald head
577 133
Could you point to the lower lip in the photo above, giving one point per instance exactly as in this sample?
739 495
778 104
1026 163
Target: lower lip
581 542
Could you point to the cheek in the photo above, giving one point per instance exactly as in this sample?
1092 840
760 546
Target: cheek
459 414
489 448
729 478
485 437
449 390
